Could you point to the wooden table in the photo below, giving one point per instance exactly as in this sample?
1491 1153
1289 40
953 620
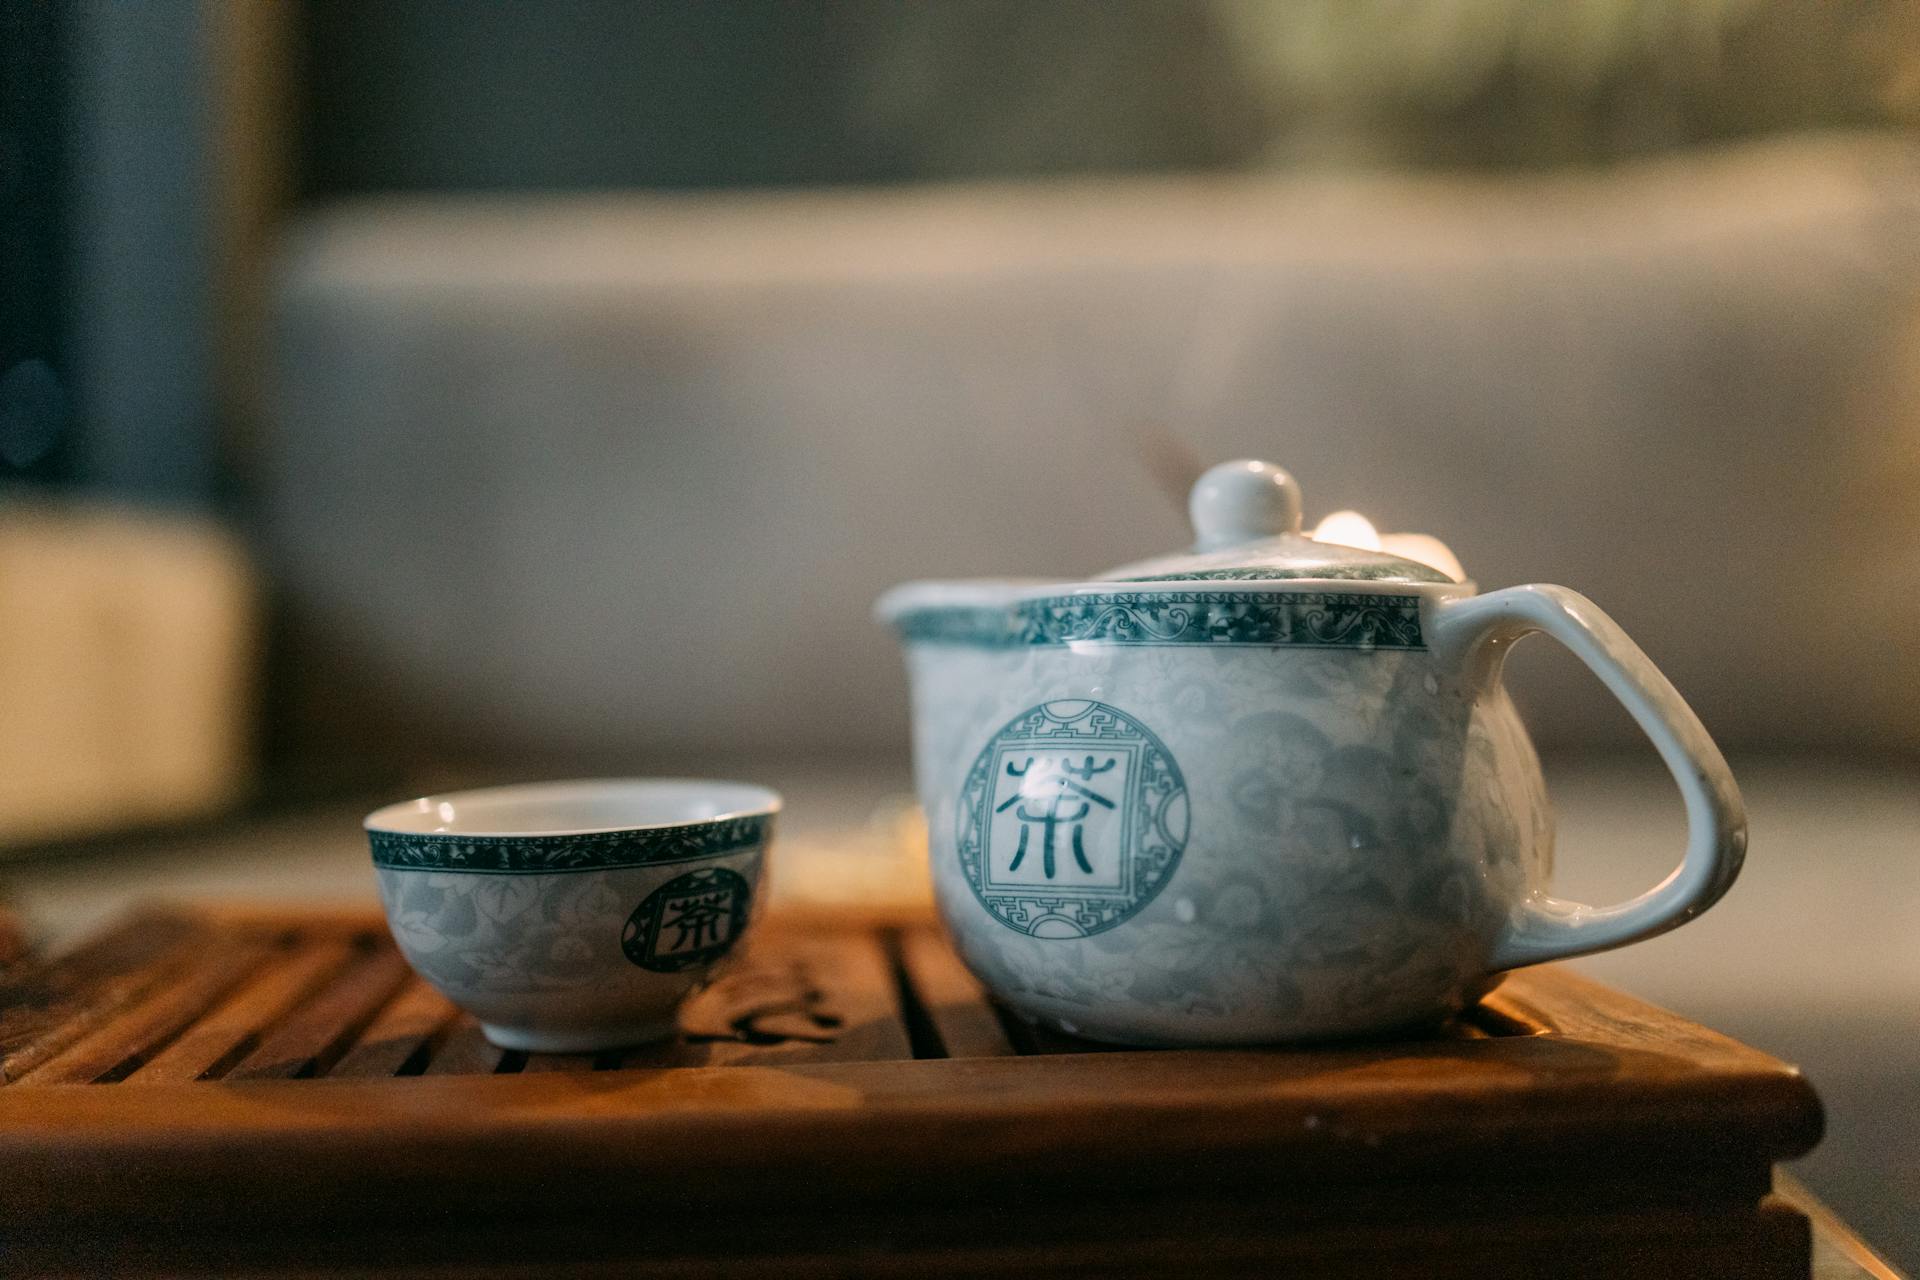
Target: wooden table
265 1091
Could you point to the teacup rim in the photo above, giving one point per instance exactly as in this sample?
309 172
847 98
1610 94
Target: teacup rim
384 820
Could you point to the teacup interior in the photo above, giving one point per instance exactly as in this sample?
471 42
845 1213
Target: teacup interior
561 808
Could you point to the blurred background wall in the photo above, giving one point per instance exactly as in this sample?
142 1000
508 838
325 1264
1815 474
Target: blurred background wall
463 312
1620 294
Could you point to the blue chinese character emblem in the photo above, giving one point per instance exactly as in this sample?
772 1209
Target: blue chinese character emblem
689 921
1071 820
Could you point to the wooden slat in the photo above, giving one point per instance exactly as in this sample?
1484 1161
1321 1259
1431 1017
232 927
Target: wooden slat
1552 1001
365 924
233 1029
850 1010
1428 1237
1044 1039
1463 1028
1035 1038
13 940
575 1062
48 1005
826 997
465 1052
1418 1110
953 999
134 1036
311 1039
406 1027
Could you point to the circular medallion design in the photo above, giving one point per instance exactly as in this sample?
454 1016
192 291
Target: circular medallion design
1071 820
691 920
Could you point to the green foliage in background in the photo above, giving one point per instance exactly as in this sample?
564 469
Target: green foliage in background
572 94
1038 85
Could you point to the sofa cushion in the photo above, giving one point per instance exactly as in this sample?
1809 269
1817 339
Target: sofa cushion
620 475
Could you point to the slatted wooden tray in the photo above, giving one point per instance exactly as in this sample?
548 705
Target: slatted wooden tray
268 1092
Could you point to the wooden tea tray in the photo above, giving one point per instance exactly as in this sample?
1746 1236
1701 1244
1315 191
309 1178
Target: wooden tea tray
261 1092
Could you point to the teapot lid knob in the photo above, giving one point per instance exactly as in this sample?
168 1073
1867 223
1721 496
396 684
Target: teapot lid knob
1243 501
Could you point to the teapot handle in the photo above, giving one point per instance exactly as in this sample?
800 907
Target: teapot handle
1477 630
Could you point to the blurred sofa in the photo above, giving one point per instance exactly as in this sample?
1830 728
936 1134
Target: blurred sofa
618 476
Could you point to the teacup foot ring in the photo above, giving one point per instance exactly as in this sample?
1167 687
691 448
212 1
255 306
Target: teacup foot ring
593 1040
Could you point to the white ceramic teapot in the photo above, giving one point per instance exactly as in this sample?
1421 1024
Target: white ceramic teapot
1271 790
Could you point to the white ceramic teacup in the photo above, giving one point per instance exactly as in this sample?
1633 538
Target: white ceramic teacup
571 917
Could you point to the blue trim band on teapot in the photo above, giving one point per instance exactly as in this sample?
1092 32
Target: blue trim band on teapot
1299 619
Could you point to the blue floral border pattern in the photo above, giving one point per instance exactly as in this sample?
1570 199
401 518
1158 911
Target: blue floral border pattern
1311 620
545 855
1403 571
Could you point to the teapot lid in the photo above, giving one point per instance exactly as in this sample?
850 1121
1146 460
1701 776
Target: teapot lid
1246 524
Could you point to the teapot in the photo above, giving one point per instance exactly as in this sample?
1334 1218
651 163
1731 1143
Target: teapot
1271 790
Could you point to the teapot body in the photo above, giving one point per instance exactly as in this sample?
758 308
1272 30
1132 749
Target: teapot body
1187 814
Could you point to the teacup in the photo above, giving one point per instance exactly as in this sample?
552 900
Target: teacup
571 917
